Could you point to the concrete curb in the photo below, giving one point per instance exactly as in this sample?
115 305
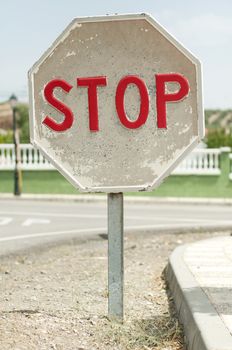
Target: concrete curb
204 329
130 199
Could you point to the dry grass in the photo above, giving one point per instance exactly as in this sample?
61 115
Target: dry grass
161 332
155 333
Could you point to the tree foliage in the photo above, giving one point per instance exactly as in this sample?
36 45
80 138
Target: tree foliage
7 137
23 122
218 138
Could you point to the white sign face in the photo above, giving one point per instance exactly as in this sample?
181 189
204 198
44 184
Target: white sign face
115 103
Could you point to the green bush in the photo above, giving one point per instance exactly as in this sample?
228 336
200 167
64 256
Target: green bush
218 138
22 117
7 138
23 122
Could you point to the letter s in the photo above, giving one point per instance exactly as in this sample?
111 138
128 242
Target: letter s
61 107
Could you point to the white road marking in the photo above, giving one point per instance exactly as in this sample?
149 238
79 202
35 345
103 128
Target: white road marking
47 234
104 216
31 221
5 221
104 230
21 213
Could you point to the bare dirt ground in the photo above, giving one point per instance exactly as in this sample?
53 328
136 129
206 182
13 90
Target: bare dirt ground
56 297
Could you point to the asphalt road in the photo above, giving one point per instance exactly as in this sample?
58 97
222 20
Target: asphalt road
24 223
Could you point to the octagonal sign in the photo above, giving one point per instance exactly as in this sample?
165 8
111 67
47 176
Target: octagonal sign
115 103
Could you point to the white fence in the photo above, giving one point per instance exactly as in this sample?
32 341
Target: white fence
199 162
31 159
230 174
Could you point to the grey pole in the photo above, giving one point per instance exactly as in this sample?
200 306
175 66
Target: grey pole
115 256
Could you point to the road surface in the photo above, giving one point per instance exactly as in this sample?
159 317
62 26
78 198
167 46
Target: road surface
24 223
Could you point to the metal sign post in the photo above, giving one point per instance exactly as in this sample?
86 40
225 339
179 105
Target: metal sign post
115 256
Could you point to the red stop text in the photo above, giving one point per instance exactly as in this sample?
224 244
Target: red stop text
92 84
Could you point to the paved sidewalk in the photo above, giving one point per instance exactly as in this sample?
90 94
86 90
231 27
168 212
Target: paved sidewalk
200 278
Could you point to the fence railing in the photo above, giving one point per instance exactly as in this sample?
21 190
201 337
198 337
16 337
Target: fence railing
199 162
230 173
31 159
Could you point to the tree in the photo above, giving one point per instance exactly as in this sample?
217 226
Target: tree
218 138
23 122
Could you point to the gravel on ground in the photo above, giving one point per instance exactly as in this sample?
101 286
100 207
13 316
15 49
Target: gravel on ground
55 297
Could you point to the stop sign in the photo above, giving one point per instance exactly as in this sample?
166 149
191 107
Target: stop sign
115 103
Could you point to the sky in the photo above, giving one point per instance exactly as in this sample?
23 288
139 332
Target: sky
28 28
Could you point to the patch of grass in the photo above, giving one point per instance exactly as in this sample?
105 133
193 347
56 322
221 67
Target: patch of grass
37 182
162 331
193 186
145 334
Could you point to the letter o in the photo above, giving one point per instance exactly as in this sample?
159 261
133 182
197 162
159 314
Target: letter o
144 101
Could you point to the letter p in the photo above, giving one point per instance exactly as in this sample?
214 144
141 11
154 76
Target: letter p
162 98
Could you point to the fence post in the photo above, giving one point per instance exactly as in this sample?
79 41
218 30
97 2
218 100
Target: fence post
230 166
225 163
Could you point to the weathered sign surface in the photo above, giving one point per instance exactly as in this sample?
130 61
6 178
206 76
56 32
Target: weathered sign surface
116 103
